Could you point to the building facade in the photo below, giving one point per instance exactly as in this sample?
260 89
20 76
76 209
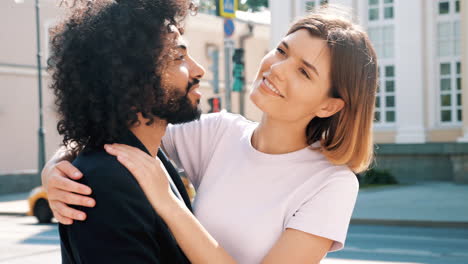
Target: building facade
422 100
420 126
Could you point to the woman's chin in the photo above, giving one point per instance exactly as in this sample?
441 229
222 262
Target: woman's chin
256 99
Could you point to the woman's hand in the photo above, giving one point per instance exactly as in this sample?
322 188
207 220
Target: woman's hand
149 172
195 241
57 181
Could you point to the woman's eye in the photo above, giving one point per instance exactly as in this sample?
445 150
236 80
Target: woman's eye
303 72
279 50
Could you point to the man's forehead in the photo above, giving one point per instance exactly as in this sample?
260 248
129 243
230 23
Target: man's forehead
176 38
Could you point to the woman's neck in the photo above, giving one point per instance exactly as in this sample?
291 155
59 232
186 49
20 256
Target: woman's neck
279 137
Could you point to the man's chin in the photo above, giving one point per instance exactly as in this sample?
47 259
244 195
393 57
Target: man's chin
186 116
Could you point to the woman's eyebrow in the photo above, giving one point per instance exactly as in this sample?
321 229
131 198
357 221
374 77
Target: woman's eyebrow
307 64
310 66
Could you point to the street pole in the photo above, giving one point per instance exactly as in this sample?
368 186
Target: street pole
242 46
228 47
41 132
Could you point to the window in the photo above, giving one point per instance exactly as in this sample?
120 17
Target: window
380 9
448 38
382 34
310 5
449 97
446 7
385 101
450 92
388 9
456 38
382 38
373 10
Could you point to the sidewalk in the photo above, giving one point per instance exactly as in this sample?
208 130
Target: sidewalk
14 204
435 204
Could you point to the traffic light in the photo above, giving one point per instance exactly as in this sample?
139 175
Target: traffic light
238 56
238 70
215 104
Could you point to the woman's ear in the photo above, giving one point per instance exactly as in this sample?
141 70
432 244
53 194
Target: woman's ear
330 107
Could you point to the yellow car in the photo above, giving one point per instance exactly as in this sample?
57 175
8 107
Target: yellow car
188 187
39 206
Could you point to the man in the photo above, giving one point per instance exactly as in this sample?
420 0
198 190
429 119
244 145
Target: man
121 74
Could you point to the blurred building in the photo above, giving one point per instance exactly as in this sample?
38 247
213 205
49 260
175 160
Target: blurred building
423 49
420 120
19 87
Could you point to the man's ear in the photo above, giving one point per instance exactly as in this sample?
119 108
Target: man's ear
330 107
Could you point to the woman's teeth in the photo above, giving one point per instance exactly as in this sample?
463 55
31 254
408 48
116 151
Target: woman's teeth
271 87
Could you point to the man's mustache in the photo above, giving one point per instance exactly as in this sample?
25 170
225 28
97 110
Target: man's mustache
192 83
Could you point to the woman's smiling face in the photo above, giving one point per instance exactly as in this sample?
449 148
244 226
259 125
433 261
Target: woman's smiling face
293 81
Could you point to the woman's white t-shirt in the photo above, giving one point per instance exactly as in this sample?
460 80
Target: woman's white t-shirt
246 198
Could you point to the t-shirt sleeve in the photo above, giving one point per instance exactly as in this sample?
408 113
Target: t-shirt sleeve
328 213
191 145
120 228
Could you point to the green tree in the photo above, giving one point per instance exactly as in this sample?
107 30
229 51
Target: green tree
253 5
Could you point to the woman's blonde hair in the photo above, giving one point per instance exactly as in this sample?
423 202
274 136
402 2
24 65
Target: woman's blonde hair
345 137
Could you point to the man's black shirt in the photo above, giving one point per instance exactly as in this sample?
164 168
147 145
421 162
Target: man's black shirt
123 226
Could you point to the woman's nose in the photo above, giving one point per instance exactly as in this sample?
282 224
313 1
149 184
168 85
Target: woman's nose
279 70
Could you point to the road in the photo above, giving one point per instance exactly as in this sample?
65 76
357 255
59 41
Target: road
22 240
388 244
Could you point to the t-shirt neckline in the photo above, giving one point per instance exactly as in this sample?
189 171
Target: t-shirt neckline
305 153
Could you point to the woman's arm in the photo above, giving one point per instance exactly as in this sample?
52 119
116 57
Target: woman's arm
198 245
58 177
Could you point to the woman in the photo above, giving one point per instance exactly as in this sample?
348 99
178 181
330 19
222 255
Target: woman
283 190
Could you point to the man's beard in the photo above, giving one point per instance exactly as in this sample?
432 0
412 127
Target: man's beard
175 106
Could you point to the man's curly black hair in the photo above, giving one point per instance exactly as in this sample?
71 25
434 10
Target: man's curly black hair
104 66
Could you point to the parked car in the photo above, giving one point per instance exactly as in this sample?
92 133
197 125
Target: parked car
39 205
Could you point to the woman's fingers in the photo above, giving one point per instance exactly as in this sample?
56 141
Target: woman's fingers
69 170
70 198
126 151
134 169
64 211
139 159
57 181
62 219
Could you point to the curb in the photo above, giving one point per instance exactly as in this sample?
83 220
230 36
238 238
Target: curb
12 214
409 223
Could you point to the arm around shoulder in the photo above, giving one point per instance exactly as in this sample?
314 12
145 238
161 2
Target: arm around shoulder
119 229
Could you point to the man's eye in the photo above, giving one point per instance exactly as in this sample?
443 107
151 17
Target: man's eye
303 72
181 57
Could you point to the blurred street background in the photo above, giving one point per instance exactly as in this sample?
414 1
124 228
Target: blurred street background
413 203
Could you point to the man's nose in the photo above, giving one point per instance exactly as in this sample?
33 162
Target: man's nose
197 71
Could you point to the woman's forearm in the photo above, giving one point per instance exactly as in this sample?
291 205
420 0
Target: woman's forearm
198 245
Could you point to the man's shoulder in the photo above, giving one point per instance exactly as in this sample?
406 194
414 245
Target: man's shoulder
113 187
101 169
